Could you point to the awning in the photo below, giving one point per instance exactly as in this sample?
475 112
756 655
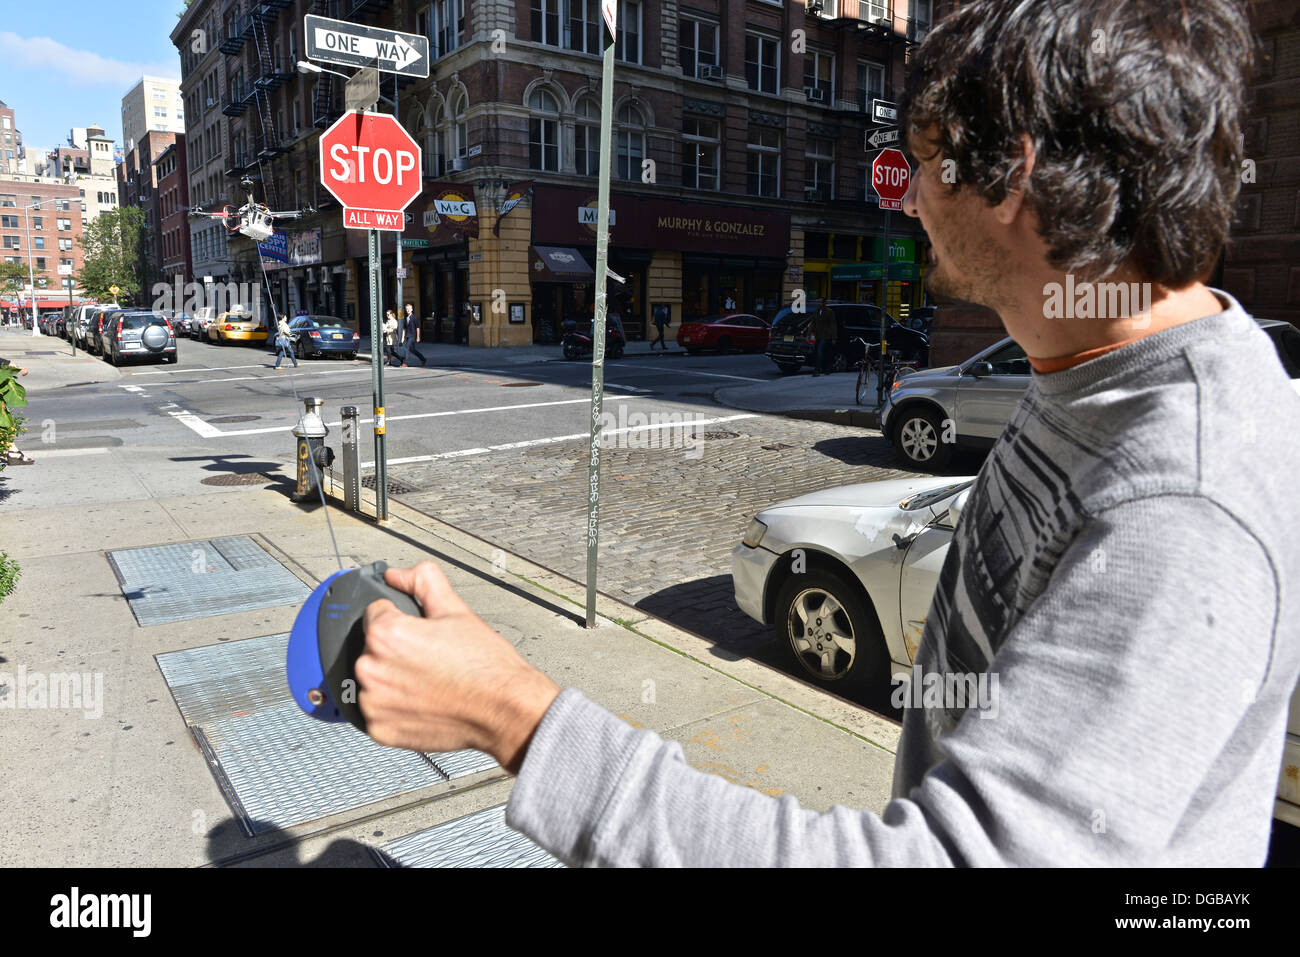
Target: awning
868 271
558 264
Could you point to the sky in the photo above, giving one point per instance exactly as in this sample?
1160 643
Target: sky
69 63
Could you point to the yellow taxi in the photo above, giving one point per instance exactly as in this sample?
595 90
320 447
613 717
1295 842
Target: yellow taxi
236 326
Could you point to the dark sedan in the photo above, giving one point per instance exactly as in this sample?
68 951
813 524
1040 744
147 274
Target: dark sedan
323 335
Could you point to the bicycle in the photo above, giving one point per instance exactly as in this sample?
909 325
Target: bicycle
887 370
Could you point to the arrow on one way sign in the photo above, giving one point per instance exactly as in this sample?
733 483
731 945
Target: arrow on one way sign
354 44
879 138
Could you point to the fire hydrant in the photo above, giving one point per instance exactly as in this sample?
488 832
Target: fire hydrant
312 454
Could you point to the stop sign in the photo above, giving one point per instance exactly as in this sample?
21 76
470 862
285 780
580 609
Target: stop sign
372 166
889 177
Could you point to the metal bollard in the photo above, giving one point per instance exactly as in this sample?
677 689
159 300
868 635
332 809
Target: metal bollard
351 458
311 452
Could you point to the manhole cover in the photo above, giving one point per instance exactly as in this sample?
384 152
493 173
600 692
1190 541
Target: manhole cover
712 436
226 419
394 487
238 478
518 385
777 447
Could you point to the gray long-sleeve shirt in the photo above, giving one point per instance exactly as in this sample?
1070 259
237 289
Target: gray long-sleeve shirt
1126 564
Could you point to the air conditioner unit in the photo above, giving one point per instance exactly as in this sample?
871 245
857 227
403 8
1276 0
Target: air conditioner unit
815 93
884 21
456 164
710 71
209 103
811 190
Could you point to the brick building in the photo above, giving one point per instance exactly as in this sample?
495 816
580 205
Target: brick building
49 234
12 158
752 115
173 213
137 185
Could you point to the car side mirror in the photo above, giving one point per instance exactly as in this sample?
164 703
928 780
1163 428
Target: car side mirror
980 369
957 506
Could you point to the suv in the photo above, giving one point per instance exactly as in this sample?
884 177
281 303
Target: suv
138 334
790 345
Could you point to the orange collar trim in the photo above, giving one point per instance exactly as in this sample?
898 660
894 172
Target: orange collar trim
1068 362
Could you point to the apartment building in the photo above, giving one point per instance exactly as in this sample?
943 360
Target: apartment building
137 185
40 226
12 153
152 104
173 213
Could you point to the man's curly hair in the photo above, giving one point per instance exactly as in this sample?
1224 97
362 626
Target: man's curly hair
1133 108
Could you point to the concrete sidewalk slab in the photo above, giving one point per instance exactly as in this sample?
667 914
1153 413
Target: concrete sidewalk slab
77 785
50 363
826 398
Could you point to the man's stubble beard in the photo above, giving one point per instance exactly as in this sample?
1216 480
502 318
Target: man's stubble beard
973 269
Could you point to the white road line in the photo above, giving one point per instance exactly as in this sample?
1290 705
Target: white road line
461 453
68 453
625 388
200 369
131 388
211 431
274 378
711 375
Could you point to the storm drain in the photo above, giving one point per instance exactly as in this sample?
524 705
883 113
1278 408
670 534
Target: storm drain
393 485
222 576
275 766
481 839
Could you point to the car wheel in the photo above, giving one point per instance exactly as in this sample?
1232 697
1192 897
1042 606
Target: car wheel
572 350
838 362
827 633
789 368
298 349
351 355
918 438
114 359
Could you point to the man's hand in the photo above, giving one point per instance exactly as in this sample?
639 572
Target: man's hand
446 681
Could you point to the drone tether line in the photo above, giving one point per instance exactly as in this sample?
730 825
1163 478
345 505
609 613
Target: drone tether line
293 373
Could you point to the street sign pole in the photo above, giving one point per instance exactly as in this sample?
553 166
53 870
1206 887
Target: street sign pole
397 239
377 375
598 320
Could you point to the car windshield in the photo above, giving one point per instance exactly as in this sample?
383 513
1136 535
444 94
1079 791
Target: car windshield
926 499
137 320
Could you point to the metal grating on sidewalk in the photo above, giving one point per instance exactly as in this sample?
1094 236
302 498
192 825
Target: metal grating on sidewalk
481 839
168 583
277 767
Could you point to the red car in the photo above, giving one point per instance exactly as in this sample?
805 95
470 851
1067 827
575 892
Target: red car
740 330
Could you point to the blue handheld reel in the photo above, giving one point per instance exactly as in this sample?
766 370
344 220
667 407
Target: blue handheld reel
328 637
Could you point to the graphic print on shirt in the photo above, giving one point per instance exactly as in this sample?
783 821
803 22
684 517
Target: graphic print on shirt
1023 512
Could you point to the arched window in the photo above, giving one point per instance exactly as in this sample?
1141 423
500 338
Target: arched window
586 137
437 144
629 143
544 132
460 127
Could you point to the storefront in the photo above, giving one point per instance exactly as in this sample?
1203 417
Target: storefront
697 258
851 268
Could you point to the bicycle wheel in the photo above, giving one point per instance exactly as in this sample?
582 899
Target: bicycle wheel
864 380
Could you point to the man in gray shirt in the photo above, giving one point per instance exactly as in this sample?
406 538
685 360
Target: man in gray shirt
1125 563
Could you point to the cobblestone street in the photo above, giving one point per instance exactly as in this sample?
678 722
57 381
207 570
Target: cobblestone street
668 521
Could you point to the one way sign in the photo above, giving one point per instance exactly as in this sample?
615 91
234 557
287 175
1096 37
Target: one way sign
354 44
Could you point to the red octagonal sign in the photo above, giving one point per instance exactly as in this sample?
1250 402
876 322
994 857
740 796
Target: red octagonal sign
372 166
889 177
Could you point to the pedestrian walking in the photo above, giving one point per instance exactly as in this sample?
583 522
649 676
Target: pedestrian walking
284 343
823 327
390 335
412 329
661 323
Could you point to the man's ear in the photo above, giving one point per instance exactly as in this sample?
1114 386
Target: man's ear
1007 210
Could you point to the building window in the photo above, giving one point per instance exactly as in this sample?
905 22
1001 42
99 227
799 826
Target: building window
874 10
629 143
10 200
701 146
585 29
764 161
65 225
38 242
819 76
586 138
819 170
628 44
38 222
11 222
448 25
697 45
546 22
40 264
922 14
65 245
871 84
543 132
460 125
160 112
762 56
435 143
13 242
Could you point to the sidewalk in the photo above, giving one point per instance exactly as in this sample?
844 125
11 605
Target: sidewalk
75 786
448 354
57 367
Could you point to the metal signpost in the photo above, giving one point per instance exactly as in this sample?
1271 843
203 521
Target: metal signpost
608 9
372 166
890 175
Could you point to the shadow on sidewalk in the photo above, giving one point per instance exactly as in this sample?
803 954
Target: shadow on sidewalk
227 845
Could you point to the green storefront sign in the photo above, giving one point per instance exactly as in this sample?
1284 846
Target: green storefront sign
861 272
415 243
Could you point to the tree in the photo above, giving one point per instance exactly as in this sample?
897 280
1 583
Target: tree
111 249
13 277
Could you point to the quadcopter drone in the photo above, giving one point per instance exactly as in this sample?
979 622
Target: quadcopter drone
252 219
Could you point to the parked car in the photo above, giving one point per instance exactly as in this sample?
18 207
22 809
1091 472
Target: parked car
138 334
203 317
323 335
743 331
791 344
853 611
973 400
922 319
96 325
236 326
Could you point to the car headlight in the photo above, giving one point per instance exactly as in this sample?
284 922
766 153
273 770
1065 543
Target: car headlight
754 534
